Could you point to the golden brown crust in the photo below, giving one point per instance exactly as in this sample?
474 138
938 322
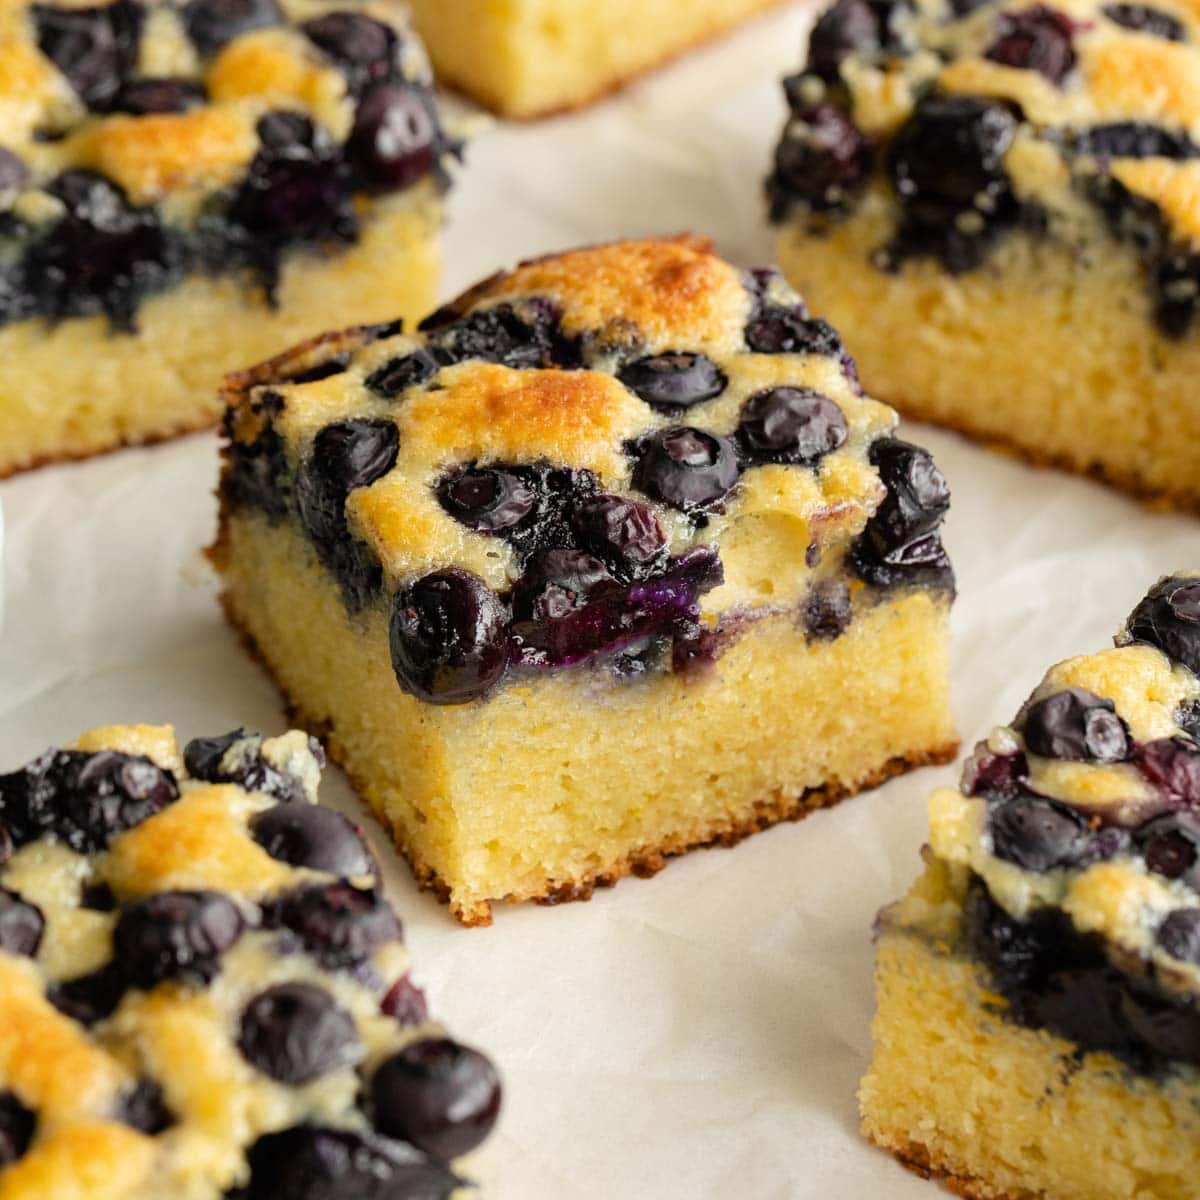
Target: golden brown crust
917 1159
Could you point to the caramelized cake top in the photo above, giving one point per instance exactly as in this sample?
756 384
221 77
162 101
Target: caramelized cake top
601 454
141 139
967 120
200 979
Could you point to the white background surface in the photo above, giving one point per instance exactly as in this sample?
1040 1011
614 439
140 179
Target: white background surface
700 1034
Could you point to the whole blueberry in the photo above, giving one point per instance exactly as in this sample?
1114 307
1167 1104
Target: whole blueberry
790 425
1173 766
295 1033
827 610
487 499
213 23
409 370
1179 935
688 469
527 339
845 28
17 1125
210 759
175 935
1170 844
148 95
448 639
1036 834
396 138
1169 618
310 1162
918 496
306 835
624 534
775 329
89 998
1142 18
1078 726
823 158
21 925
673 381
363 49
340 925
556 582
405 1003
95 48
437 1095
144 1108
1035 39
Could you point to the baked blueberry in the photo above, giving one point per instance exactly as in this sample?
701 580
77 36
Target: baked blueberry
13 172
236 757
437 1095
1173 766
144 1108
1179 935
624 534
17 1125
688 469
790 425
918 496
89 998
21 925
1143 18
213 23
1037 38
340 925
827 610
823 159
363 49
396 139
1170 844
778 329
845 28
528 339
147 95
410 370
1169 618
487 499
307 835
448 638
175 935
995 775
557 582
95 48
405 1002
1077 725
674 381
1132 139
1037 834
295 1033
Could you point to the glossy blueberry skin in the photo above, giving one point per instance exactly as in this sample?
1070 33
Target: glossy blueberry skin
213 23
95 48
21 925
557 582
823 159
687 469
487 499
777 330
295 1033
366 51
202 757
17 1126
1133 139
449 643
396 138
405 1003
321 839
175 935
142 97
1078 726
89 998
845 28
1170 844
341 926
1179 935
410 370
625 535
1169 618
790 425
1173 766
827 610
673 382
1038 835
437 1095
1143 18
1036 39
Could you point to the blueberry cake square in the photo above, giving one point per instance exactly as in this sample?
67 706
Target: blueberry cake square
998 204
203 992
611 559
529 58
188 187
1038 1028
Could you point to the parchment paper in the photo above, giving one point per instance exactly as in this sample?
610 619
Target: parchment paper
700 1034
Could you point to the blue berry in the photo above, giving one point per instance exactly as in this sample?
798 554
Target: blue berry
673 381
487 499
790 425
1170 844
340 925
213 23
625 535
1169 618
366 51
396 139
142 97
95 48
1142 18
175 935
295 1033
1036 39
17 1126
1038 835
21 925
1078 726
321 839
688 469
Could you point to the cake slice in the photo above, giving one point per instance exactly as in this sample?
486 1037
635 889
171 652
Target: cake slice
613 559
529 58
1038 1031
203 992
1009 192
185 188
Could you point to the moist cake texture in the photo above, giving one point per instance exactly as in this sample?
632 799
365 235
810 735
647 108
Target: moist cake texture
187 188
528 58
203 992
611 560
998 204
1038 1029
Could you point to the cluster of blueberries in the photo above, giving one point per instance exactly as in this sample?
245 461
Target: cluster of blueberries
106 254
431 1102
1053 976
946 162
597 578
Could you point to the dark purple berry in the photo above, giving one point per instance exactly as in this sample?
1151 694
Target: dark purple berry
529 339
827 611
95 48
1187 717
21 925
1037 835
822 159
396 139
13 171
917 499
411 370
144 1107
1035 39
1078 726
997 776
1169 618
17 1125
1143 19
845 28
437 1095
236 758
1170 844
89 998
448 639
366 51
145 96
1179 935
625 535
340 925
405 1003
674 381
557 582
1173 766
778 330
308 1162
306 835
213 23
295 1033
486 499
689 469
790 425
175 935
1132 139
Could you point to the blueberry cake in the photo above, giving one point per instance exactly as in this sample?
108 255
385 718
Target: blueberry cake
610 560
998 204
188 187
1038 1032
528 58
203 993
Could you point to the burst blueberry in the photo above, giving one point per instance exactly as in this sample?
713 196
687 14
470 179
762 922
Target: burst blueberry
366 51
236 757
557 582
624 534
396 138
1169 618
1142 18
340 925
1179 935
95 48
823 159
775 329
409 370
211 24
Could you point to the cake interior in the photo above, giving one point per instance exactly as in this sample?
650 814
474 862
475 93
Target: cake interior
528 58
1045 347
128 388
561 782
998 1111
